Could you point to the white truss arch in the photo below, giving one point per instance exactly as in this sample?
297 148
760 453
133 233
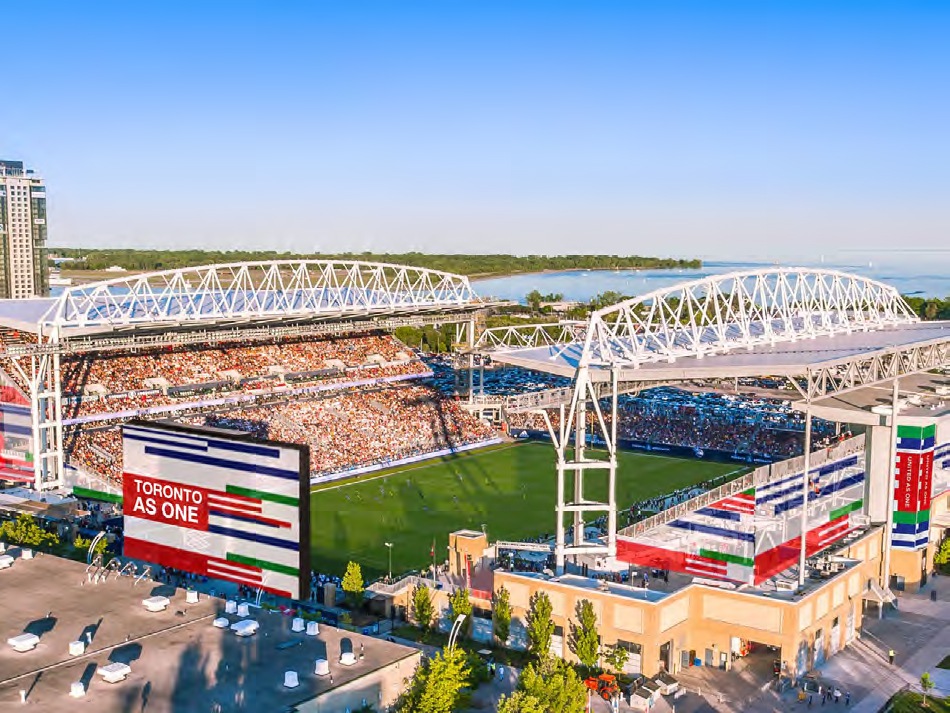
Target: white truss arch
256 291
740 310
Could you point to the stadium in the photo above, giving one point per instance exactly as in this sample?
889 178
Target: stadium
681 516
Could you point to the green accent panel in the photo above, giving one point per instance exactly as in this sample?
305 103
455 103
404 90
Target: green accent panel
96 495
262 495
917 431
911 518
263 564
723 557
851 507
750 491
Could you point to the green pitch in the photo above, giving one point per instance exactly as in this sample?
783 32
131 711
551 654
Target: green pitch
509 489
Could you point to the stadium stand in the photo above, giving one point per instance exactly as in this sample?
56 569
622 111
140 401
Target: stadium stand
361 421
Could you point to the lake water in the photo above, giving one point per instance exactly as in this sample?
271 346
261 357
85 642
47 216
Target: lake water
920 274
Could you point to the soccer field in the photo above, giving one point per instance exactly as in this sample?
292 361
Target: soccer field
508 488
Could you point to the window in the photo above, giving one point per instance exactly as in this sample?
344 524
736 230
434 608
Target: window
631 647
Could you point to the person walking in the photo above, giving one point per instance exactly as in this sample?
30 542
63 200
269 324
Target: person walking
890 656
847 698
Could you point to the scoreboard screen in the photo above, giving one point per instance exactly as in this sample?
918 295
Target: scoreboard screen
218 503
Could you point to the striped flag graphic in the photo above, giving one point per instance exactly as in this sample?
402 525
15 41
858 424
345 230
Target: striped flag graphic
704 566
743 503
242 508
831 531
235 572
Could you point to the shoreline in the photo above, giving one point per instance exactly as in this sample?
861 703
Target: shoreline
479 277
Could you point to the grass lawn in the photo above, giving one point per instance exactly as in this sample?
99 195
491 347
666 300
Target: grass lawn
508 488
913 703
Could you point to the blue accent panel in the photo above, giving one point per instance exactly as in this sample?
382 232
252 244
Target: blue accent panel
242 518
915 444
254 537
823 492
910 528
224 463
206 442
721 514
823 471
250 448
710 530
13 428
920 542
163 442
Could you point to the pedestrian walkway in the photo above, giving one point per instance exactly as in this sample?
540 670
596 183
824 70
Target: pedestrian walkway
918 632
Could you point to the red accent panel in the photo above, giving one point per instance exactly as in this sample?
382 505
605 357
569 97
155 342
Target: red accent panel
14 475
909 467
166 502
235 501
777 559
926 480
221 511
181 559
643 555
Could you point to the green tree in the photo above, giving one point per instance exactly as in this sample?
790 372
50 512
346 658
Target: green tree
81 544
540 625
616 657
584 639
555 685
926 685
437 685
520 702
422 607
501 615
26 531
353 583
460 603
942 556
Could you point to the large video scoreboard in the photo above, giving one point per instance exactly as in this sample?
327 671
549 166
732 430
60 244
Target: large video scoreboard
218 503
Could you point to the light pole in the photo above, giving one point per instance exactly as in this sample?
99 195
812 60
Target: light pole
456 628
389 546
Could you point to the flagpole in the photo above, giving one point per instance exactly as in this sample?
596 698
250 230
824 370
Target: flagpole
433 561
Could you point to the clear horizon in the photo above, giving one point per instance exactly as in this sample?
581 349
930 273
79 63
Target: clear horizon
739 131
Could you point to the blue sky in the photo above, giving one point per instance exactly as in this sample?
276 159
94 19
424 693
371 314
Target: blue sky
763 130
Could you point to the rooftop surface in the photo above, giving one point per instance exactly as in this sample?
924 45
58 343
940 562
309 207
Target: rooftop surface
781 359
658 589
919 394
180 663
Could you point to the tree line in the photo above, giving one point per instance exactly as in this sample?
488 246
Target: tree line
482 265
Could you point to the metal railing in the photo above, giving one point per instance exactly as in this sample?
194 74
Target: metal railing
758 477
710 496
399 585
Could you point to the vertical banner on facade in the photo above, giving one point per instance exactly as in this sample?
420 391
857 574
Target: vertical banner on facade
913 481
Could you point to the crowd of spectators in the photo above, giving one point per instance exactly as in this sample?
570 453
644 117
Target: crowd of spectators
756 427
101 383
360 428
97 451
121 372
344 430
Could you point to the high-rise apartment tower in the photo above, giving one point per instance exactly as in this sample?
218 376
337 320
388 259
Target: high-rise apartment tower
23 263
